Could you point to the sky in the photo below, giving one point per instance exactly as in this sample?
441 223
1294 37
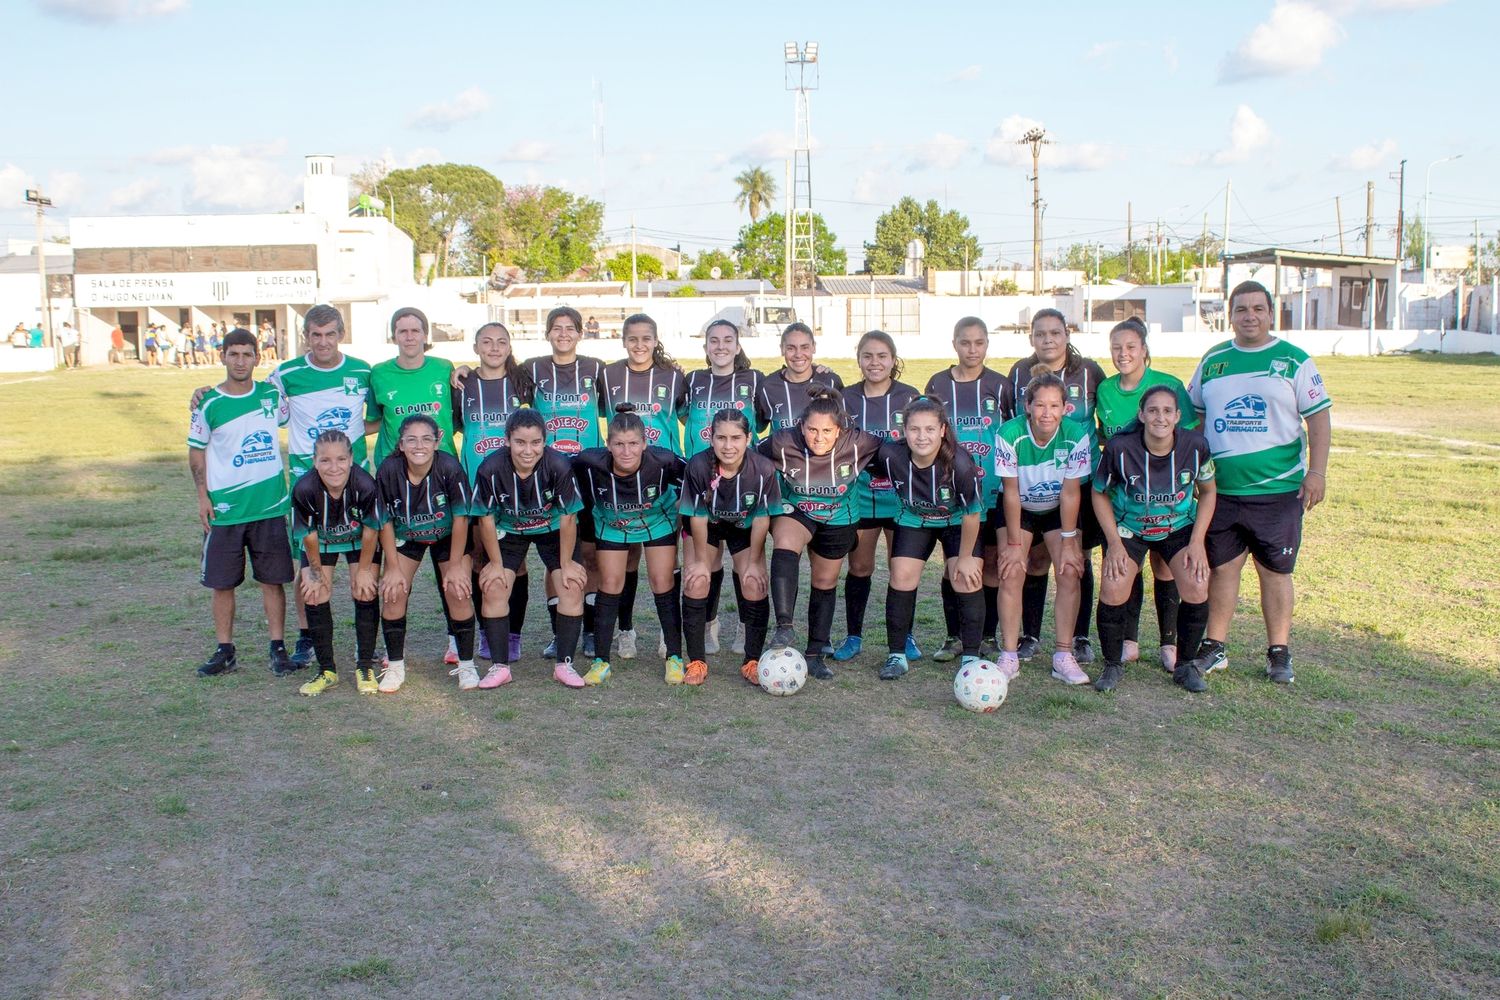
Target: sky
173 106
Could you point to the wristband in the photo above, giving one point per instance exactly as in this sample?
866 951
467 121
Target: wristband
1320 475
1070 534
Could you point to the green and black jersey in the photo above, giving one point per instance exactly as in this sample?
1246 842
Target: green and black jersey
820 487
481 406
1153 495
338 521
752 492
933 497
567 397
423 511
655 395
706 394
881 416
976 409
779 404
534 504
636 507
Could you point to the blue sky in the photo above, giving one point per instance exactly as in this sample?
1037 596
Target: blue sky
186 105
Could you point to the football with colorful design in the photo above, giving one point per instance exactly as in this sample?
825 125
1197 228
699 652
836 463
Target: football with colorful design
980 686
783 670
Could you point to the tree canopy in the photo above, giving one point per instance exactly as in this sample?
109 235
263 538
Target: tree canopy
703 267
441 206
762 248
757 191
945 234
647 267
548 232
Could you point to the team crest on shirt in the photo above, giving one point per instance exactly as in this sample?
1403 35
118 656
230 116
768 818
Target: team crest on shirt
749 499
351 386
900 417
1060 456
744 390
650 492
989 405
1184 477
1281 368
661 392
267 407
1073 391
944 493
844 470
441 499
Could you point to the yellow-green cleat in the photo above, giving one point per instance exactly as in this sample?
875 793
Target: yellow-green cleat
319 684
598 673
674 670
365 681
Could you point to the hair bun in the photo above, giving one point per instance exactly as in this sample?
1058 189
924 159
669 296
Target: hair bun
624 407
1039 369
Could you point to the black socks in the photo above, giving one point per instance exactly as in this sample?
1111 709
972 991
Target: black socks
1112 622
669 613
1085 599
990 613
520 596
394 630
784 584
463 637
1192 619
1133 608
366 621
856 599
605 612
820 606
497 634
756 615
900 608
1033 604
695 626
569 628
320 629
1167 602
627 599
950 609
974 617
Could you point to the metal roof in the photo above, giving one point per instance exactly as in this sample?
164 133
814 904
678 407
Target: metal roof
1306 258
25 263
711 286
863 284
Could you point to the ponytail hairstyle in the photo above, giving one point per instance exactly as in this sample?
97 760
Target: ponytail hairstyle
741 359
1042 378
1133 325
881 337
729 415
659 356
1073 360
519 377
525 417
939 409
333 435
625 420
827 401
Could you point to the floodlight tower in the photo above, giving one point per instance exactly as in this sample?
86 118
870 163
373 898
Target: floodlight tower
801 66
1036 138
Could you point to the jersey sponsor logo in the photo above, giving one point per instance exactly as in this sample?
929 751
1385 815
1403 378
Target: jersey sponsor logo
978 449
257 446
1044 492
1071 409
653 435
335 418
1243 413
485 417
566 424
429 408
969 422
1216 369
486 445
1143 497
563 398
567 447
881 484
1313 393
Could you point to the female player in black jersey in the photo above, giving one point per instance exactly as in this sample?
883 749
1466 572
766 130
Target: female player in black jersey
875 404
336 511
424 505
939 496
524 495
728 495
1081 378
1154 492
818 460
784 393
631 490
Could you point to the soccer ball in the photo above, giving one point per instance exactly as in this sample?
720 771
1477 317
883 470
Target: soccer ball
782 671
980 686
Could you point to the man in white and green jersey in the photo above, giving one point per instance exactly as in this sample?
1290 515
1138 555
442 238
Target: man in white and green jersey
411 382
325 390
235 459
1255 394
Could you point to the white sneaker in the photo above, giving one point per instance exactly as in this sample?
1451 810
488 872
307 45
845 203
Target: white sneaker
1130 651
468 677
661 646
450 656
739 636
625 644
711 638
393 676
1066 669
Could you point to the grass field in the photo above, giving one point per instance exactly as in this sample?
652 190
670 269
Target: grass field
162 835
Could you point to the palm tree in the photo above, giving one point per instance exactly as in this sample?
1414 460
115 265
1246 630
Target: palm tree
757 191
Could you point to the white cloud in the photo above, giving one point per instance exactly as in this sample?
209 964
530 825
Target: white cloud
873 185
1100 49
443 115
1248 134
941 152
1293 39
111 11
1366 157
238 178
766 146
1005 149
140 193
968 74
528 151
13 184
65 188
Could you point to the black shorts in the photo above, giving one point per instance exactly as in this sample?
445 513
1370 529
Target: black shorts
664 539
440 549
828 541
223 563
1269 526
1038 524
918 543
332 558
732 537
586 533
1090 534
513 549
1166 546
873 523
994 523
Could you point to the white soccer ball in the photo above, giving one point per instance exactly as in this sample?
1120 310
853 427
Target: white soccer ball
980 686
782 671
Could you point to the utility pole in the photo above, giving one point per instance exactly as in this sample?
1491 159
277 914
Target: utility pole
42 202
1400 212
1369 218
632 255
1129 243
1035 138
786 236
1338 214
1203 271
1224 254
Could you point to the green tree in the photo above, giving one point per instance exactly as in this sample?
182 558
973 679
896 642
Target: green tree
548 232
441 206
1416 240
946 235
703 267
757 191
684 292
647 267
761 248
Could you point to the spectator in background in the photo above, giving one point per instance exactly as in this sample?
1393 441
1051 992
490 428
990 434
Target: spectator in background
35 337
116 346
591 329
70 342
200 346
19 336
215 342
151 346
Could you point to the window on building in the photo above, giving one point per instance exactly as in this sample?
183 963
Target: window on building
895 315
1119 310
1356 300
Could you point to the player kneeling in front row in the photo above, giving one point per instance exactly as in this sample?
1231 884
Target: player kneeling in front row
335 511
1154 492
424 508
939 494
525 495
728 493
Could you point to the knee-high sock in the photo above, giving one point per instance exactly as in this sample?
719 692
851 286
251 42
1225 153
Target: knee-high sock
569 628
497 634
669 613
1164 592
1085 599
437 574
820 605
715 587
1033 604
1112 621
856 599
972 617
552 613
394 630
366 621
784 585
520 596
694 626
1133 608
900 608
739 597
589 600
756 615
1192 619
627 599
606 612
463 637
320 625
950 610
990 620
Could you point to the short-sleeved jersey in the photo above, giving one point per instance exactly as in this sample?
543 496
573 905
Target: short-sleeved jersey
655 396
1153 495
820 487
882 417
396 393
239 436
322 399
976 408
481 406
534 504
567 396
424 511
338 521
1081 389
706 394
734 500
932 497
1253 403
632 508
1039 467
779 403
1116 409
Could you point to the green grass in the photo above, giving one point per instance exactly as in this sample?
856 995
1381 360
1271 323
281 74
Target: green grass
165 835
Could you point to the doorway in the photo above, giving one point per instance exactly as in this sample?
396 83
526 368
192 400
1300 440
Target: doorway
129 322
